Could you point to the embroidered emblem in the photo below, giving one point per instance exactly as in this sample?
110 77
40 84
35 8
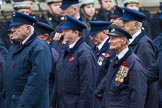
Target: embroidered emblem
112 30
71 58
122 72
57 36
100 60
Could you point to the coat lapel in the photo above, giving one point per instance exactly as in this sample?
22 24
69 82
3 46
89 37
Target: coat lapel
19 46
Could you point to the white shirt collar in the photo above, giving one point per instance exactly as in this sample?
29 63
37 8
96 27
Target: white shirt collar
78 17
73 44
134 36
101 45
25 40
122 53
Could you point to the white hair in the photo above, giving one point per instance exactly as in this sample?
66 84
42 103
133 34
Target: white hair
32 29
140 24
76 5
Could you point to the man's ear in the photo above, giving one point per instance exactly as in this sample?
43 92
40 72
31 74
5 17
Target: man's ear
106 31
76 32
46 35
124 40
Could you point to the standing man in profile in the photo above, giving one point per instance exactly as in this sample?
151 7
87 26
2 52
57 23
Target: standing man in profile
136 5
98 33
28 66
143 47
75 71
125 85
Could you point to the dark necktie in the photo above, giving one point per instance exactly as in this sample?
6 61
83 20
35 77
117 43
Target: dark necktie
116 60
97 49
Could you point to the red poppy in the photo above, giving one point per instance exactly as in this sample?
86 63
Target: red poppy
71 58
124 63
105 55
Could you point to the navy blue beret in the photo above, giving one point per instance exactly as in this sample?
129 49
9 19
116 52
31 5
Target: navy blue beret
131 14
118 12
43 28
73 23
97 26
66 3
115 30
21 18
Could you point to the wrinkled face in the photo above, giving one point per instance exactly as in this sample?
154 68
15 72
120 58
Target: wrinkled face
97 39
70 35
25 11
19 33
116 43
130 26
116 21
134 6
88 10
69 11
107 4
54 8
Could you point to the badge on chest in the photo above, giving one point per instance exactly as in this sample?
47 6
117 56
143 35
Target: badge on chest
102 57
122 72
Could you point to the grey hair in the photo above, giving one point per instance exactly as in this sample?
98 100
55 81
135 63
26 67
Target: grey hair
32 29
76 5
140 24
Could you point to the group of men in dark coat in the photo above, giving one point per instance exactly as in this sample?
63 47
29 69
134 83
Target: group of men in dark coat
77 66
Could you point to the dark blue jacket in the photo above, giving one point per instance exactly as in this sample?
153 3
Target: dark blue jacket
3 49
154 72
145 49
156 24
55 56
158 43
28 68
2 71
76 72
129 93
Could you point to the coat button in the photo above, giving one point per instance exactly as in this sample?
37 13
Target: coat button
13 96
